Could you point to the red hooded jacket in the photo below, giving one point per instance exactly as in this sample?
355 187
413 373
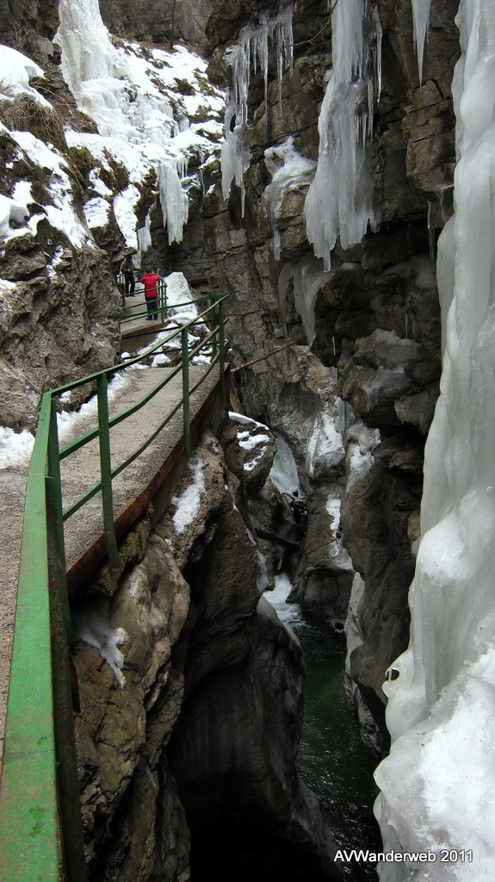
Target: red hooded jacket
150 281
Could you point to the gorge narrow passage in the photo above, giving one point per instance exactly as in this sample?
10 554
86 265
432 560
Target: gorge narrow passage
332 758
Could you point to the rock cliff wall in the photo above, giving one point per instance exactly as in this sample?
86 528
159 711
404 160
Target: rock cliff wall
190 694
374 362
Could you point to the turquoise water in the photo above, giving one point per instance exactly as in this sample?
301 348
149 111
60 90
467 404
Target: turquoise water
332 757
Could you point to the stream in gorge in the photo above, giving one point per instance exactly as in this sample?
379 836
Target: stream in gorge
332 759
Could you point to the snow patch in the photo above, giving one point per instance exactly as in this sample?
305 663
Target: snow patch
242 418
62 214
96 211
188 503
16 70
15 448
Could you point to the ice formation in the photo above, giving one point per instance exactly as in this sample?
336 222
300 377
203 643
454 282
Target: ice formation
437 784
289 171
339 200
307 277
421 17
129 93
326 446
252 50
283 472
92 626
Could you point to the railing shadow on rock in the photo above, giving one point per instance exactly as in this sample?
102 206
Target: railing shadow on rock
41 833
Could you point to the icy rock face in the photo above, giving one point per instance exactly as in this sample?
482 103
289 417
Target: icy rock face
289 172
339 201
386 284
440 707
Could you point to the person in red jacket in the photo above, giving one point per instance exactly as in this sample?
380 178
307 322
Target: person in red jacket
150 281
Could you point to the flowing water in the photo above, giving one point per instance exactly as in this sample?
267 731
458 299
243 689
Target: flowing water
332 759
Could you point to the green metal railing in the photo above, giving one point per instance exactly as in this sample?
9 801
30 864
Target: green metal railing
40 821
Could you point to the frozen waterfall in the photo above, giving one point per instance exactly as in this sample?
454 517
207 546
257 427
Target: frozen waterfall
252 51
339 200
437 784
112 85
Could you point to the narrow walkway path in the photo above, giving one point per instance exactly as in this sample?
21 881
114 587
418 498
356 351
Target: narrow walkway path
12 487
82 469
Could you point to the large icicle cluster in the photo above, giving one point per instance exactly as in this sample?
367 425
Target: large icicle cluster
252 51
129 93
339 201
438 782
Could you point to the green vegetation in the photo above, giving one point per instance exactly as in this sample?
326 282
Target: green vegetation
81 161
148 193
204 86
184 86
25 115
116 177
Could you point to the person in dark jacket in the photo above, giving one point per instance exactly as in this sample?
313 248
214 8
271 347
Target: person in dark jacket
150 282
127 269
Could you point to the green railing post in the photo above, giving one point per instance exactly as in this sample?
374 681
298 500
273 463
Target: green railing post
65 744
184 339
163 300
221 343
214 342
106 470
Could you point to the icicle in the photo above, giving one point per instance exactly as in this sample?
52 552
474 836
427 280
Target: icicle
378 52
307 278
253 49
174 202
431 231
333 347
339 201
421 17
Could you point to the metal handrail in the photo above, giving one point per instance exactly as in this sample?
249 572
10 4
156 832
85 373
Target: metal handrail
40 820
